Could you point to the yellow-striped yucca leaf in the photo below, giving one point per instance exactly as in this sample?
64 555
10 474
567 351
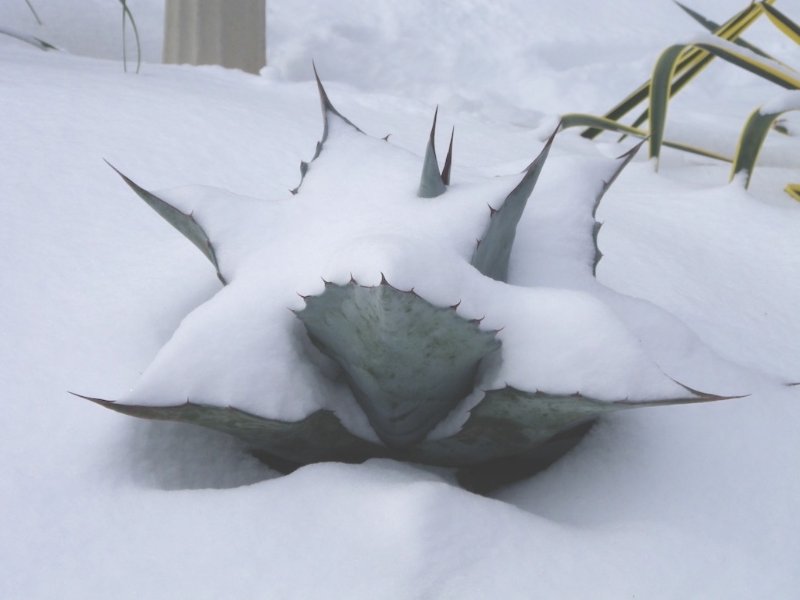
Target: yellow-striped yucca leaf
712 27
689 65
770 70
755 132
782 22
606 124
667 64
682 78
679 83
793 189
660 84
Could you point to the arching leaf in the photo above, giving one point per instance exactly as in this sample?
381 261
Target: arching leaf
752 139
185 223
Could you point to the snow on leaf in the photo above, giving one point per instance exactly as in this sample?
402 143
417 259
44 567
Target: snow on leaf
368 369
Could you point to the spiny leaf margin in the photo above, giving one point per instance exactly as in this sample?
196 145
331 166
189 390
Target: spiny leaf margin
622 162
431 181
186 224
328 111
493 251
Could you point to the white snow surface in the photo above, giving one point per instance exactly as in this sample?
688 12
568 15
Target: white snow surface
781 103
699 282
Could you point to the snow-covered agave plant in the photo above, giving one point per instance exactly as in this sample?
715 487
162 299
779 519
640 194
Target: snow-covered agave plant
403 338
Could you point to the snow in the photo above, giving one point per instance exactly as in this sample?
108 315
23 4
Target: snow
781 103
698 276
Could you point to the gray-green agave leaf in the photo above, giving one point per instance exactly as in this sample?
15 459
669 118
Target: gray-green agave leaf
408 362
623 162
318 437
185 223
432 183
493 252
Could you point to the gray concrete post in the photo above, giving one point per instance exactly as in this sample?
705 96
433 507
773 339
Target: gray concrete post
231 33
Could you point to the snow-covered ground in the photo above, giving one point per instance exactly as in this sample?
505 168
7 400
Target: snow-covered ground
678 502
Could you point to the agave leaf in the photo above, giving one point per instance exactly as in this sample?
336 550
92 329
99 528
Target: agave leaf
659 95
408 362
33 10
493 252
582 120
782 22
511 422
665 68
691 62
485 477
622 163
623 159
507 424
318 437
713 27
677 85
328 109
329 112
751 140
448 160
431 182
184 223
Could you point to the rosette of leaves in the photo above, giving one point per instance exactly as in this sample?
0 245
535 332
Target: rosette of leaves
381 368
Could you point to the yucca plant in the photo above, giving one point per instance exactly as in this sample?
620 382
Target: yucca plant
681 63
390 355
127 15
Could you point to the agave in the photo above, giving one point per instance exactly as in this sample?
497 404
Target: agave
414 346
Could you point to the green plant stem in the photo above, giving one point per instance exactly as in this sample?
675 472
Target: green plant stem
126 14
33 10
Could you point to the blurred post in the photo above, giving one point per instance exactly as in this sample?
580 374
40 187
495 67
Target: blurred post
231 33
